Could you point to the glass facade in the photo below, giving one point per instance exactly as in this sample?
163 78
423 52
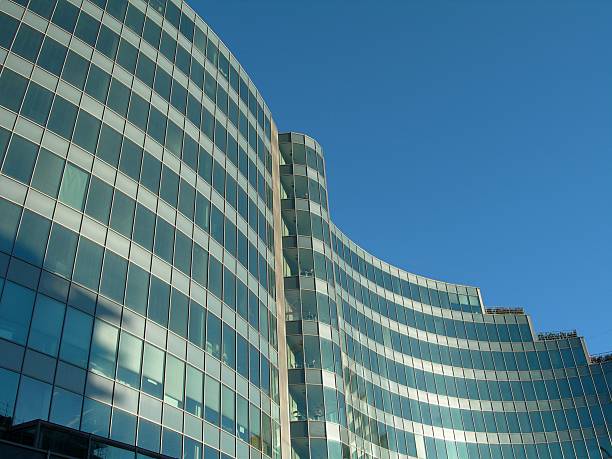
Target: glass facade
170 278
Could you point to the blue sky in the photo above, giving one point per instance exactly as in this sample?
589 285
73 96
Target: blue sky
466 141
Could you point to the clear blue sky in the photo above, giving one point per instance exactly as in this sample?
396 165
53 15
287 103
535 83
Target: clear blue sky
466 141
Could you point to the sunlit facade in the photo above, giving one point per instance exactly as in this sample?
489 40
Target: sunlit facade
171 280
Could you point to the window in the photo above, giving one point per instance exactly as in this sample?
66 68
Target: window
175 378
52 56
48 173
197 324
137 289
20 158
122 214
123 427
228 356
159 299
37 104
8 392
46 326
164 240
15 312
153 371
213 335
76 337
128 360
66 408
103 349
212 400
88 264
96 417
86 131
61 250
75 70
99 200
32 238
74 186
131 157
109 145
228 407
27 43
193 391
148 435
113 276
12 89
179 313
63 116
33 401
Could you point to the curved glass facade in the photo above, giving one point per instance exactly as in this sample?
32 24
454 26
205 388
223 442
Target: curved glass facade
170 277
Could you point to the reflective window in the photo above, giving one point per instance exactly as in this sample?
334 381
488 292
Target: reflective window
193 391
128 360
96 417
212 400
37 104
32 238
66 408
76 337
48 173
15 312
20 158
113 276
12 89
103 349
148 435
88 264
61 251
123 427
74 186
175 378
8 391
33 400
46 325
153 371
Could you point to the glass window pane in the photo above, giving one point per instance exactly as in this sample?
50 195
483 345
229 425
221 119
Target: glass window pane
103 349
122 215
32 238
12 89
124 428
61 250
96 417
33 401
52 56
128 360
88 264
148 435
144 227
113 276
15 312
75 69
193 391
109 145
8 392
159 299
66 408
137 289
212 400
37 104
86 131
74 186
228 406
76 336
46 325
179 313
20 158
99 200
8 224
63 117
153 371
213 335
48 173
175 377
